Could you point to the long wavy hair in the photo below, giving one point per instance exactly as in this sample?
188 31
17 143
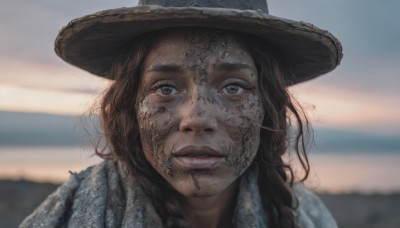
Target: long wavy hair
284 129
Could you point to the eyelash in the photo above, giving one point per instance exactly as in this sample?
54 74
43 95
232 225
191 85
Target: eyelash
158 85
242 84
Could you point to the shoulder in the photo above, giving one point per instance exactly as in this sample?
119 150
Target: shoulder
311 211
59 204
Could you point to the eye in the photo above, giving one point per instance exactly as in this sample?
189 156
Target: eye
167 90
233 89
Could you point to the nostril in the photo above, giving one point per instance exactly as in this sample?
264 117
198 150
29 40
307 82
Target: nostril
208 130
196 124
187 129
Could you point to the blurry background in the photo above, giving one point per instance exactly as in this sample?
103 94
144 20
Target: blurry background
355 110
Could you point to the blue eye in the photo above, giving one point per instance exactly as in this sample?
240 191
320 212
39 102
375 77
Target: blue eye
167 90
233 89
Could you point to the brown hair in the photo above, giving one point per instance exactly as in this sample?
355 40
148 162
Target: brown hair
276 178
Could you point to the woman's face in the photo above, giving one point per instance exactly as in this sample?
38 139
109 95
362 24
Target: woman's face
199 110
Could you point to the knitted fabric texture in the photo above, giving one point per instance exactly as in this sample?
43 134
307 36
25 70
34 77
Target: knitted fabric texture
100 197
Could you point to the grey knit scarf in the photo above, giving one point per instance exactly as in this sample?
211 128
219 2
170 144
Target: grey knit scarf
100 197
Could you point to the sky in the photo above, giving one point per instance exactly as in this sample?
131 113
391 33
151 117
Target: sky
362 94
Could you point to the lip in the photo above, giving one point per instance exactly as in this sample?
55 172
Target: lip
198 157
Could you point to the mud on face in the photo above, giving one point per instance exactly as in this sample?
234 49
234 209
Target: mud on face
184 100
202 44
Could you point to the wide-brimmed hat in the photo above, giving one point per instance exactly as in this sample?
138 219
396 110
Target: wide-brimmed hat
94 41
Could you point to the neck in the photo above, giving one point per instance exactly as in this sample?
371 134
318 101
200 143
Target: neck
212 211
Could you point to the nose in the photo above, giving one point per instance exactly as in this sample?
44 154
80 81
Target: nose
198 116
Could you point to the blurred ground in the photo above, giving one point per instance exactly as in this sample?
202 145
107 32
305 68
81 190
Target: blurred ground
361 210
19 198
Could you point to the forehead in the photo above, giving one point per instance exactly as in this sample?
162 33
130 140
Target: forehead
200 38
198 46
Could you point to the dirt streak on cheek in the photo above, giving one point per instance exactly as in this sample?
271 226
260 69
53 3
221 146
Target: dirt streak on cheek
155 125
241 153
245 133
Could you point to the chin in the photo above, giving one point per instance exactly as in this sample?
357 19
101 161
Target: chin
202 186
202 192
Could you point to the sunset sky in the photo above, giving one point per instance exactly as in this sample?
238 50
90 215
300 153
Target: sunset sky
363 93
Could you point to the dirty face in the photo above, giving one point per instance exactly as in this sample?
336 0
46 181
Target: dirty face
199 110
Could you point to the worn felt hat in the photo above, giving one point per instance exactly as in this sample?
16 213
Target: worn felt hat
93 42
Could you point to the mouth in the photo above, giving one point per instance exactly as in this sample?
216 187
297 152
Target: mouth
195 157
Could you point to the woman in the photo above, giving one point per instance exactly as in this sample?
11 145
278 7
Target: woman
196 118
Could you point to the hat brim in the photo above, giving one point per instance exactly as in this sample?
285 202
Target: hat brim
93 42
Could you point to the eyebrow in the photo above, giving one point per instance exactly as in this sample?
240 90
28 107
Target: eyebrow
233 67
173 68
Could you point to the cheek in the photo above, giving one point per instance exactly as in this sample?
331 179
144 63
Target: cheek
244 130
154 126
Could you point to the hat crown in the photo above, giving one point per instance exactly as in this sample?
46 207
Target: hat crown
229 4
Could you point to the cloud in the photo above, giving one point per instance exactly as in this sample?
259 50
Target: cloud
364 26
329 106
344 140
37 76
369 32
44 101
29 129
29 28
